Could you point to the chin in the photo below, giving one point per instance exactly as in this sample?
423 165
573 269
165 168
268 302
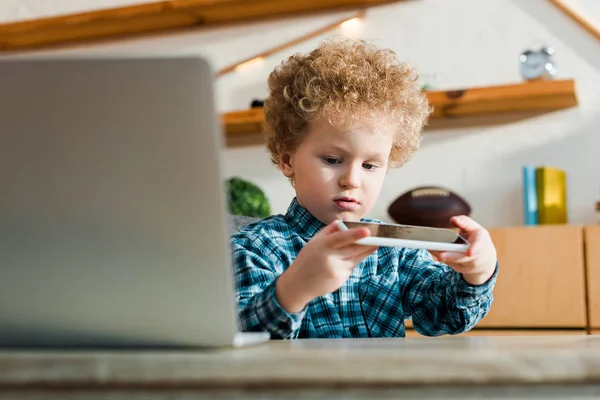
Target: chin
348 215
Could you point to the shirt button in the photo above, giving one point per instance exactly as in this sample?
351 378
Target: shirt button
354 331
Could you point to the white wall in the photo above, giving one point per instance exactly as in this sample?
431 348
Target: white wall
17 10
465 43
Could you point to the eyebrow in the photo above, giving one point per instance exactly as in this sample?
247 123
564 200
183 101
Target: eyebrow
344 150
339 148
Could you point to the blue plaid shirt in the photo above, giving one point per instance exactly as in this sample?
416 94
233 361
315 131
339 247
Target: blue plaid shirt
389 286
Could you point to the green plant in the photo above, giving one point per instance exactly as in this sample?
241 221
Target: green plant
247 199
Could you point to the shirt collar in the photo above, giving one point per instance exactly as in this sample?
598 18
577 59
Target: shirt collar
302 221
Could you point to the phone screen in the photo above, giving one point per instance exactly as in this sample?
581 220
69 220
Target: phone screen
409 232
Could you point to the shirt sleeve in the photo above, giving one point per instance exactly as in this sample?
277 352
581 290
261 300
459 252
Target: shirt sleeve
438 298
256 275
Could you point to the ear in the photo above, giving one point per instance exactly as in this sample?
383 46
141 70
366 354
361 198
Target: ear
286 164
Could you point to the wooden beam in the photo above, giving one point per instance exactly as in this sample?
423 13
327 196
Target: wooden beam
290 43
159 16
542 95
585 24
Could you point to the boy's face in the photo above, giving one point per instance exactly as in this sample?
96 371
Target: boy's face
338 171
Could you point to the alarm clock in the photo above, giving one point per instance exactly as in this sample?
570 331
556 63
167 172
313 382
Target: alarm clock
537 64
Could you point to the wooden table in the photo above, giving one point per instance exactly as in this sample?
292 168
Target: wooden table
529 367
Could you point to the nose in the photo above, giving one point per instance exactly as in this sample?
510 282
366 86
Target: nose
350 178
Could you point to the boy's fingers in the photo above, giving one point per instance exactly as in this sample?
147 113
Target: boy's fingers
435 253
350 251
475 245
341 239
457 267
331 228
356 258
478 241
465 223
448 257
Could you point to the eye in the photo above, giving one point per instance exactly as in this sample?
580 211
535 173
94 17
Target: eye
369 166
331 160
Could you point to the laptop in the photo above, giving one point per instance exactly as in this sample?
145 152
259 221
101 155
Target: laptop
112 213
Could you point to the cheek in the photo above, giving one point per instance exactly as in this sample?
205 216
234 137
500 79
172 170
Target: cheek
315 173
376 182
319 171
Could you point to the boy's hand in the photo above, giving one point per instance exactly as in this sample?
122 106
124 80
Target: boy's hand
322 266
477 265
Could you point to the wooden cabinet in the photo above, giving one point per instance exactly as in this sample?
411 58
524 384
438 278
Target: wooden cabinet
549 280
592 262
541 282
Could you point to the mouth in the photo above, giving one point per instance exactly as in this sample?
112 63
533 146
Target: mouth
346 203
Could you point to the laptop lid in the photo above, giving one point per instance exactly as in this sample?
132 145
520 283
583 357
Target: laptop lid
112 214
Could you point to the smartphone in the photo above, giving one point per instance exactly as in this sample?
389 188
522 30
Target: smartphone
417 237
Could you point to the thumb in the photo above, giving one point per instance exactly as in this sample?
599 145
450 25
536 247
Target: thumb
465 223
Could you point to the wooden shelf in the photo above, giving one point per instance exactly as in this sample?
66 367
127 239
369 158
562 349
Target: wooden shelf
159 16
243 122
529 96
542 95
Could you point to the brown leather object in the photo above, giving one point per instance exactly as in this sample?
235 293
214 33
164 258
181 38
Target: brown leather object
428 206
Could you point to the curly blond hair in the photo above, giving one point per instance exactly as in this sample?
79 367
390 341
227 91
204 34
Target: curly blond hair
344 79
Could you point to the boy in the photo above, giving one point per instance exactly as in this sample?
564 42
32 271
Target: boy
335 121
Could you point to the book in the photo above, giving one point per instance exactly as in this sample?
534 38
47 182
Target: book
551 184
530 206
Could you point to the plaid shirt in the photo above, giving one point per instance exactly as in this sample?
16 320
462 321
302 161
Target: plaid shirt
386 288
